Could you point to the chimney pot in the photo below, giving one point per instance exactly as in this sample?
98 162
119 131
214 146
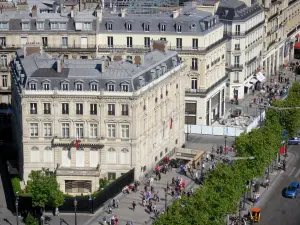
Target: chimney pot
160 45
175 13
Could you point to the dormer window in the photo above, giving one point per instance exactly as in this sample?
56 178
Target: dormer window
58 26
146 27
125 87
25 26
87 26
128 26
40 25
46 86
32 86
141 81
65 86
178 28
109 26
110 87
78 87
3 25
94 87
162 27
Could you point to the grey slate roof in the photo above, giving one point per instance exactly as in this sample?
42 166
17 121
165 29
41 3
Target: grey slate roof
192 20
237 10
43 68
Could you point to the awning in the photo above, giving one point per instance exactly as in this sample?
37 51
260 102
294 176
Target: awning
253 81
248 85
297 46
260 77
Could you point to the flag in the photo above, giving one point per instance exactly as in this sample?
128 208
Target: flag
171 121
77 142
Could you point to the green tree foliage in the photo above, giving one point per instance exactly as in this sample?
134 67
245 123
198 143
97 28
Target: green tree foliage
31 220
16 185
225 185
45 189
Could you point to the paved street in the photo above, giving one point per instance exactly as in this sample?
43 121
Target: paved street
276 209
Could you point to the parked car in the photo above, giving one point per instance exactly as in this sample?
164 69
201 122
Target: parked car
292 190
294 141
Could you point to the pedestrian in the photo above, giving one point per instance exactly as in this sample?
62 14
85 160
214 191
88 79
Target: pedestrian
157 198
109 210
133 205
207 157
114 203
159 176
168 187
117 204
116 220
104 220
112 220
128 223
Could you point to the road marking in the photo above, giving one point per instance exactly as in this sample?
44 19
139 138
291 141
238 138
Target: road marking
297 174
292 171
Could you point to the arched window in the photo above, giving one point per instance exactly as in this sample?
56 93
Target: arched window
112 155
125 156
48 154
94 157
35 154
66 157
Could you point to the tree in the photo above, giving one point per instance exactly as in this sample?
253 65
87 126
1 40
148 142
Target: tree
45 189
31 220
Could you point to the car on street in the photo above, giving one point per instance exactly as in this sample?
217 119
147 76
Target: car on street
292 190
294 141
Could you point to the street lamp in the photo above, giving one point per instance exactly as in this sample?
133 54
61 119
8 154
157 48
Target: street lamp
225 142
166 199
75 209
17 208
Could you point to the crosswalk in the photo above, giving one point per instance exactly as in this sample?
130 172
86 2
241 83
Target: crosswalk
293 172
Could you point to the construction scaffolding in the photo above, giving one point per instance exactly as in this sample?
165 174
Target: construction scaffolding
150 7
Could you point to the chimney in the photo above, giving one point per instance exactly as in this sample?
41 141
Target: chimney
138 59
34 11
159 45
123 12
59 64
99 15
61 8
175 14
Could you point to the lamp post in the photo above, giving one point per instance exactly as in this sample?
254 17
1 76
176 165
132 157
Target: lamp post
75 209
17 208
166 199
225 137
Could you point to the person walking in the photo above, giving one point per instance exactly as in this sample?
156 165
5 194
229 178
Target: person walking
104 220
117 203
133 205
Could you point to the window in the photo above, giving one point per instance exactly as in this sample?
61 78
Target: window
46 86
195 43
3 26
47 108
125 156
110 42
109 26
236 76
94 87
111 176
58 26
190 120
65 87
66 157
3 61
64 42
129 42
163 27
179 43
34 129
111 87
78 87
32 86
128 26
194 84
125 131
25 26
94 157
65 108
178 28
146 27
194 64
48 154
112 155
237 47
33 108
125 87
93 109
45 41
65 130
47 129
79 130
111 109
40 25
125 109
93 130
111 130
190 108
79 108
4 81
236 61
34 154
2 41
237 29
80 156
87 26
146 42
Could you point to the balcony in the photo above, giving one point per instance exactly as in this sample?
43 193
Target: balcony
47 111
236 81
203 92
235 67
251 61
33 111
141 48
291 2
125 113
5 89
93 112
10 48
194 68
70 48
111 113
83 142
65 112
77 171
271 44
273 17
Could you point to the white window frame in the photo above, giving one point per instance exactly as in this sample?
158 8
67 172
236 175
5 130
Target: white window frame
163 27
48 154
25 26
64 44
178 28
35 158
78 86
111 155
3 25
94 87
4 81
94 158
46 86
87 26
124 156
125 131
110 87
111 130
109 27
194 84
79 130
129 26
47 129
40 25
93 130
65 130
147 27
32 86
63 85
34 129
125 87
